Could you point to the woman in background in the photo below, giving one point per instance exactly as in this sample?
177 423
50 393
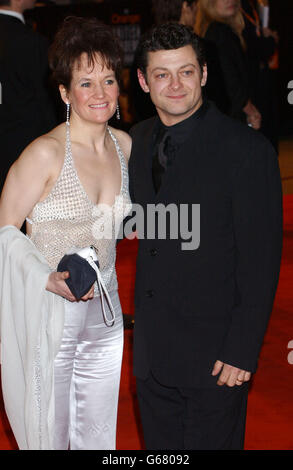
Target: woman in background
178 11
262 57
220 23
59 185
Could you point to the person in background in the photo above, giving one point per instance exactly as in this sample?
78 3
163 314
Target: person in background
179 11
70 185
261 50
221 24
26 109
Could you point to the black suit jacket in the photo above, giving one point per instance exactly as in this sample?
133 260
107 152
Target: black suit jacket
26 111
213 303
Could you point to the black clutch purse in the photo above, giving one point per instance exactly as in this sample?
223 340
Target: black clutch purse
82 274
83 267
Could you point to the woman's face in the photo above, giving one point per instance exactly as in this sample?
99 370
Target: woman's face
188 14
226 8
93 92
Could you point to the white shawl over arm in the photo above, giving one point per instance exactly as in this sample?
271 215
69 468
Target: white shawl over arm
31 327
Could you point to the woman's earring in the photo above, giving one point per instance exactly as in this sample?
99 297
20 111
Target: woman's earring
118 112
67 113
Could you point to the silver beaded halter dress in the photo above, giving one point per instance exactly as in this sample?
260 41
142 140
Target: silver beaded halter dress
68 219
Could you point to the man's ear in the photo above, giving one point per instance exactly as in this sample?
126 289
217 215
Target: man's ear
142 81
64 94
204 75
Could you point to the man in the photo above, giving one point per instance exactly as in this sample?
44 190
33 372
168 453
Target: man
201 309
164 11
25 108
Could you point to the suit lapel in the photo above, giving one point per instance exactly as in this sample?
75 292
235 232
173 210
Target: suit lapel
144 162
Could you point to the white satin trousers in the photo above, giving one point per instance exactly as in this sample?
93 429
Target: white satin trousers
87 377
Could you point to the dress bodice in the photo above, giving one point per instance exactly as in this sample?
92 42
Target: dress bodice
68 219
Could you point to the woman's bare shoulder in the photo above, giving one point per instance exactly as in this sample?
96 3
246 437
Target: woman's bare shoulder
45 148
124 140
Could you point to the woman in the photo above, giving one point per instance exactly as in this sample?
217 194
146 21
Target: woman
220 22
262 57
70 184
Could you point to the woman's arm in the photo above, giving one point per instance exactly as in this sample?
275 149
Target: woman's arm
28 181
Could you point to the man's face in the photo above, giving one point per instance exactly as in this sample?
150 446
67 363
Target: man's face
174 80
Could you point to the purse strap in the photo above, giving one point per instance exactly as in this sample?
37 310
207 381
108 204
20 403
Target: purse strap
103 291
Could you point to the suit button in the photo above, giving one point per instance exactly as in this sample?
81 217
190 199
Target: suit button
149 293
153 252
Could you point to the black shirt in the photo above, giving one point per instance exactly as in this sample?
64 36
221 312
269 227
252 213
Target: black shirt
168 139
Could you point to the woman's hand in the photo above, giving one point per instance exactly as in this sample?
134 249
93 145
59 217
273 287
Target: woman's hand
253 116
89 295
267 32
57 285
254 120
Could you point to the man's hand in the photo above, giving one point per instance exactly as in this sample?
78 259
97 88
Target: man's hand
230 375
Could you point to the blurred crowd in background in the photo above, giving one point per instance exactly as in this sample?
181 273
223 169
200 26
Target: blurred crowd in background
240 37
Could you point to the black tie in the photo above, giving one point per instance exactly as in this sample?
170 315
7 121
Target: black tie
163 150
160 160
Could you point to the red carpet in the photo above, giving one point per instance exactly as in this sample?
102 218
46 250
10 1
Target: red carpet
270 407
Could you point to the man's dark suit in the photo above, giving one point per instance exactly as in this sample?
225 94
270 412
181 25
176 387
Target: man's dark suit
193 308
26 111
